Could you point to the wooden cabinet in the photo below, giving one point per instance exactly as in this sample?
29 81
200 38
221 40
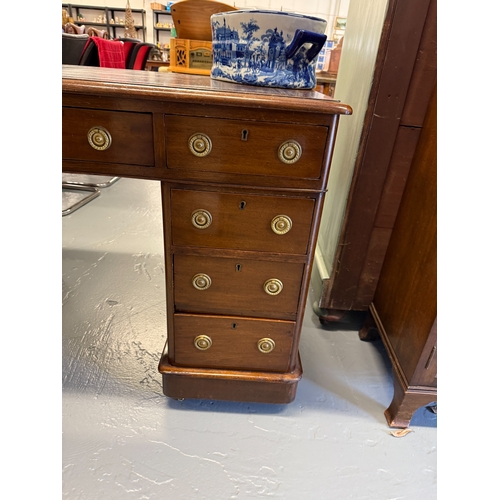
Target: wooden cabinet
405 74
243 173
404 308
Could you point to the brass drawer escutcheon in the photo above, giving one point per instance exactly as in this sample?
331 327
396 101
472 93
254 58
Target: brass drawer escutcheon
266 345
273 286
99 138
201 219
201 281
202 342
200 144
281 224
290 152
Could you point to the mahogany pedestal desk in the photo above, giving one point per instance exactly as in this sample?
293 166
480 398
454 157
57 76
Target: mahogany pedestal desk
404 308
243 172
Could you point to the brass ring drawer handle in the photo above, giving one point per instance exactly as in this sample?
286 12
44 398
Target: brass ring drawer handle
201 281
273 286
99 138
200 144
201 219
202 342
290 152
281 224
266 345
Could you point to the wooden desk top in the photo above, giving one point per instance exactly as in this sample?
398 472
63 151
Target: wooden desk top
192 89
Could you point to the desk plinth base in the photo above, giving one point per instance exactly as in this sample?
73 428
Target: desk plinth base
229 385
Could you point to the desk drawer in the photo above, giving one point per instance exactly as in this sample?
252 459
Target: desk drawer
129 137
226 342
241 221
237 286
245 147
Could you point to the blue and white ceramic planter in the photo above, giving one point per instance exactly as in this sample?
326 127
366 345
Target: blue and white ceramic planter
266 48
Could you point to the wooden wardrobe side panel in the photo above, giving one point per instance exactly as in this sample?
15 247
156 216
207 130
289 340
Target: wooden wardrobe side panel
424 73
406 296
385 154
404 149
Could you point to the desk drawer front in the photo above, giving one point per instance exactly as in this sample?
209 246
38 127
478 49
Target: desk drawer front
237 286
245 147
241 221
127 137
226 342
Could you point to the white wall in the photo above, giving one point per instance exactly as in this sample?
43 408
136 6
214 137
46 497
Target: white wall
327 9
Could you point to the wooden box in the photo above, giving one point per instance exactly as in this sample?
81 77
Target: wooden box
190 56
157 6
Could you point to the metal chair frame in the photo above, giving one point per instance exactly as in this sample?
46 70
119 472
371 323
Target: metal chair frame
92 187
94 193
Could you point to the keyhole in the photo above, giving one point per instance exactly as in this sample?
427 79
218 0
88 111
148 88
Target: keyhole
238 268
242 205
244 135
233 326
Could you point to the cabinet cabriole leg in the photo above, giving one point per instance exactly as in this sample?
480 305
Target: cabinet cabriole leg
405 403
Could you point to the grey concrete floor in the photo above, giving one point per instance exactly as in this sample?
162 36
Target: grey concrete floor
122 438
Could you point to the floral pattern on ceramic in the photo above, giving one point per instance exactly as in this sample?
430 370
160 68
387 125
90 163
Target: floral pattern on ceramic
266 48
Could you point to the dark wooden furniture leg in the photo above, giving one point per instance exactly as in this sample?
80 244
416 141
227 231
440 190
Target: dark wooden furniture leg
405 402
369 331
